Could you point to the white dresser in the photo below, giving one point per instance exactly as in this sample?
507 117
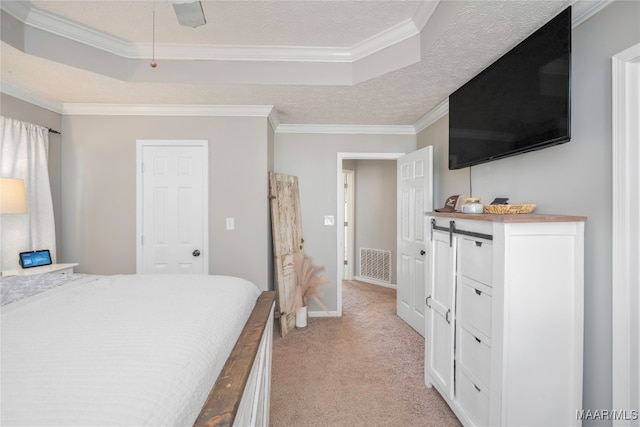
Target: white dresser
504 317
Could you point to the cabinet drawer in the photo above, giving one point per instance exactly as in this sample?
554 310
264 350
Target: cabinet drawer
475 357
476 260
474 310
472 399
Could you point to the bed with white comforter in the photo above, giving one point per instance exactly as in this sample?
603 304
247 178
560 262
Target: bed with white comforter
141 350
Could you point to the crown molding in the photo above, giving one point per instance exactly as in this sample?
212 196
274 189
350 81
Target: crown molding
241 53
274 119
398 33
45 21
186 110
387 38
347 129
582 10
432 116
57 25
30 97
141 109
167 110
40 19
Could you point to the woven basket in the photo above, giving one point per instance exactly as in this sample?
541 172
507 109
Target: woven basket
523 208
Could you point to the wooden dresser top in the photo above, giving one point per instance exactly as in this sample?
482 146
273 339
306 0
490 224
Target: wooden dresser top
520 218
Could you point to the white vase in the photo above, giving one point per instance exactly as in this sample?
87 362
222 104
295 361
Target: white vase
301 317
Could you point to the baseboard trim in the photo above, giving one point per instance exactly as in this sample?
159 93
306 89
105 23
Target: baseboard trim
322 313
375 282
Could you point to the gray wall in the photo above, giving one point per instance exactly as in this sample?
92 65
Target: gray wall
375 209
27 112
99 190
573 178
313 159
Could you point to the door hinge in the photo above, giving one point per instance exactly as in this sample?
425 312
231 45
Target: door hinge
142 240
433 225
452 229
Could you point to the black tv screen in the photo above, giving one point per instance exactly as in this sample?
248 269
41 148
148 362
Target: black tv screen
520 103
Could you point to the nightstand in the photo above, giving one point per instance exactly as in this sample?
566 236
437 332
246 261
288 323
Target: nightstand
52 268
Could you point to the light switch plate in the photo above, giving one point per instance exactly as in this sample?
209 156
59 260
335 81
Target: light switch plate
230 224
329 220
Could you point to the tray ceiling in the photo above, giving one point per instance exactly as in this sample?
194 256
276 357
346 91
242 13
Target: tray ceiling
316 62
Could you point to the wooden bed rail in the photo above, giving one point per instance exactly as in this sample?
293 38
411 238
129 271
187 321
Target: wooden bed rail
221 406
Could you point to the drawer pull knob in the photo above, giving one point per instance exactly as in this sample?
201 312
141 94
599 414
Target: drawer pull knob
476 387
478 291
478 339
478 244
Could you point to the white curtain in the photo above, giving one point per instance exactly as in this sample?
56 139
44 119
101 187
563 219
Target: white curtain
24 149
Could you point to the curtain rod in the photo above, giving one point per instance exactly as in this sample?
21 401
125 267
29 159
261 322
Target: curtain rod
51 130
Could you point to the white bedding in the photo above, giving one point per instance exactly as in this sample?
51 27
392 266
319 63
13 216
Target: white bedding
119 350
15 288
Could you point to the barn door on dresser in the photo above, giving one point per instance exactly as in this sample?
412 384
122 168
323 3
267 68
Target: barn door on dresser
172 207
441 309
415 184
287 241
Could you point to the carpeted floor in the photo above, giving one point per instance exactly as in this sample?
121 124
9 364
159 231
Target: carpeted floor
363 369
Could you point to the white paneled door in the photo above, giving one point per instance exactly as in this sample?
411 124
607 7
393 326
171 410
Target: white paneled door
415 196
172 207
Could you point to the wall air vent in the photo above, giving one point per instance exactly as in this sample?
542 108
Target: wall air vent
375 264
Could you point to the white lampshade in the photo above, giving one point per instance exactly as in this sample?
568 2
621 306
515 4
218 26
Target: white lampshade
13 198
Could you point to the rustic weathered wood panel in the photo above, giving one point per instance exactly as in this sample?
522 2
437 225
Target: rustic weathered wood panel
222 404
287 241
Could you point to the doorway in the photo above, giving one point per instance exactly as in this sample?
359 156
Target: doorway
625 247
341 157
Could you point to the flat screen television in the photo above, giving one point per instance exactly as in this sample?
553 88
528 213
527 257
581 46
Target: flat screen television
520 103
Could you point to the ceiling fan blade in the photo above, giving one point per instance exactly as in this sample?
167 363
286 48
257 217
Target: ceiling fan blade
189 13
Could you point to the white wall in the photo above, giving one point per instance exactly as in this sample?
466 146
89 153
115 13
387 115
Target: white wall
313 159
573 178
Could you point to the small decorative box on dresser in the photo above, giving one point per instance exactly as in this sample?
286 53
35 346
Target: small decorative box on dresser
504 317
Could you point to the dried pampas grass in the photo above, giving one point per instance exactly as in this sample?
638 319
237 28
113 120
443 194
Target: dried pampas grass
308 282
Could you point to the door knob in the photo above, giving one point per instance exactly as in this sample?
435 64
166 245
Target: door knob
422 252
196 253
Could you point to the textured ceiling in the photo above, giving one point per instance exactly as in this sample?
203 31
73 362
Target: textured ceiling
397 84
